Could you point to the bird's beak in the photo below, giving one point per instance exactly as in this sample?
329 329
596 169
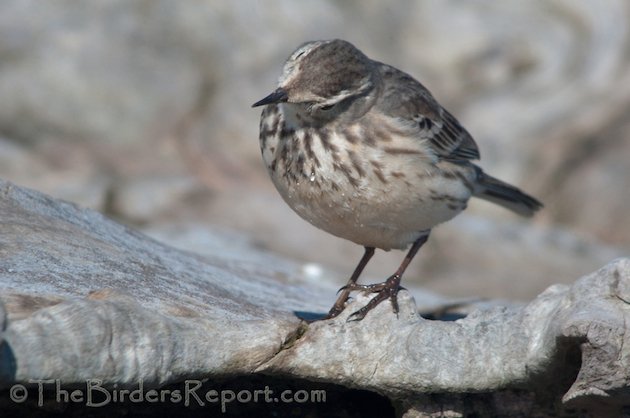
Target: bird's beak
278 96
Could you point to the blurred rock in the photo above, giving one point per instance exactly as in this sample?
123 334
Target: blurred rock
143 199
91 71
80 183
84 297
477 256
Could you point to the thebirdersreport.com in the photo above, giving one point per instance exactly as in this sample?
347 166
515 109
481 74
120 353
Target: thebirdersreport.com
194 392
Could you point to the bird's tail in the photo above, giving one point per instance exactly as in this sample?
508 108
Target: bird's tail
506 195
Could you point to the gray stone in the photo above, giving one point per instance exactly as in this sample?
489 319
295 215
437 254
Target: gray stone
83 296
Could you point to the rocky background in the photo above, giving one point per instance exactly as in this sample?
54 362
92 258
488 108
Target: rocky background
141 110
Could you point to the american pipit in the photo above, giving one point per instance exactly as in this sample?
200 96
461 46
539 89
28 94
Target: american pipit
363 151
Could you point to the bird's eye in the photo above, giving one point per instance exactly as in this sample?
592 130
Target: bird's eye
327 107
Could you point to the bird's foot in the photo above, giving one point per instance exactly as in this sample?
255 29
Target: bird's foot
385 290
340 303
344 296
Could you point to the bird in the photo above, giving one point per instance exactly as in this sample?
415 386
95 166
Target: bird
363 151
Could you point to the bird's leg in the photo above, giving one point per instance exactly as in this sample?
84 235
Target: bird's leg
390 287
345 291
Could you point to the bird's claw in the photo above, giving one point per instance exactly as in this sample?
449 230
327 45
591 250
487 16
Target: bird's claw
382 295
387 290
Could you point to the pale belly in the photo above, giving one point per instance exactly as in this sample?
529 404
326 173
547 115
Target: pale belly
367 195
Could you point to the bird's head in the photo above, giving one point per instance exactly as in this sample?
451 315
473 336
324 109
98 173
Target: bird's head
322 78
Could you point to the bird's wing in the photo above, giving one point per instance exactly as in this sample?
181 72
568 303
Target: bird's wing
405 98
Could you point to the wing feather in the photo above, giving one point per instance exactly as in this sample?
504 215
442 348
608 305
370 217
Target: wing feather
406 98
